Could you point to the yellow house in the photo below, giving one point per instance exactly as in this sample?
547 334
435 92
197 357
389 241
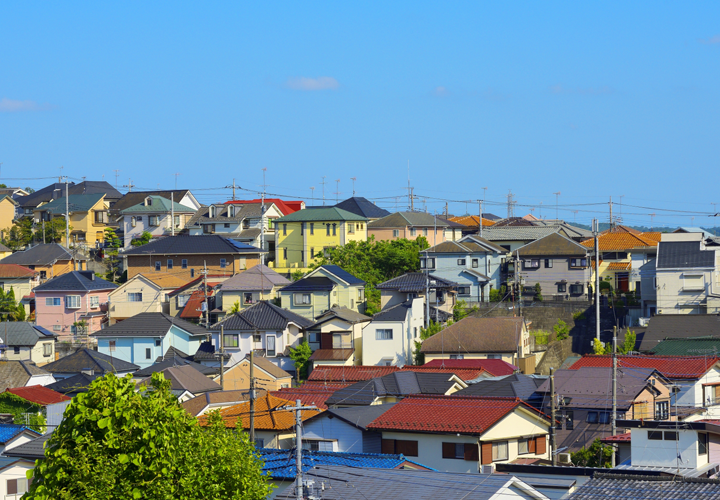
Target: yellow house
249 287
305 233
8 207
88 216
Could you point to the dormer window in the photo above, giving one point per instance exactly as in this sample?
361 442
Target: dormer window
231 211
148 201
211 211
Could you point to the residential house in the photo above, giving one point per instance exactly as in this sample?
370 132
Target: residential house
503 338
274 426
188 300
648 288
144 337
517 385
324 288
12 435
72 304
8 211
676 326
411 225
267 329
494 367
249 287
13 477
474 263
185 382
15 193
390 338
461 434
337 337
559 265
471 223
240 222
643 487
74 385
623 251
140 294
362 207
57 190
217 400
467 375
156 215
176 358
442 292
237 376
28 343
308 396
696 379
47 259
53 403
89 362
303 234
690 346
88 216
585 396
4 251
182 196
22 280
512 237
186 256
331 374
22 374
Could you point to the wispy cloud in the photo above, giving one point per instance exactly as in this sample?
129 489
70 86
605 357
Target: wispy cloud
319 83
559 89
441 91
713 40
15 106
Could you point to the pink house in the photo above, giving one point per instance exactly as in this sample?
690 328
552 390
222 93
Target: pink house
72 300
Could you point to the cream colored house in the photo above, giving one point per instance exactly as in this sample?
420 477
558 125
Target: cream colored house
8 209
27 343
137 295
249 287
336 337
22 280
237 377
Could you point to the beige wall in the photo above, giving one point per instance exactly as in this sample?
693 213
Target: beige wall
387 234
228 299
674 297
145 265
34 354
238 378
7 214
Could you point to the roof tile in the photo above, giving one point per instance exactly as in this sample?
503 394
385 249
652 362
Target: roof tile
673 367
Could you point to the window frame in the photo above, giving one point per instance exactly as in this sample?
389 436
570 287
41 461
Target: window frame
548 263
592 417
184 264
158 265
223 263
76 299
303 296
93 301
574 287
148 353
382 334
169 264
496 446
53 301
462 262
562 287
475 263
133 296
234 339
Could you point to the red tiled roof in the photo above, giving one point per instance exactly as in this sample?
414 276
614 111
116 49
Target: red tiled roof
308 395
496 367
193 306
448 414
39 395
464 374
618 266
330 373
286 207
677 367
16 271
319 385
620 438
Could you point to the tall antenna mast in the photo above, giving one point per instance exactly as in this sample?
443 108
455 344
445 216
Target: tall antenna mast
323 188
312 192
557 198
176 176
117 172
337 190
353 179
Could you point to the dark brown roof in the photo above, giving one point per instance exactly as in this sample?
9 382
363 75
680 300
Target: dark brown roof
331 354
551 245
268 366
477 335
195 405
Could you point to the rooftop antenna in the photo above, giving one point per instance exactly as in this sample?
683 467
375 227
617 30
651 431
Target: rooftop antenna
176 176
540 211
353 179
652 217
117 173
337 192
312 192
557 198
510 204
61 175
620 209
575 216
323 188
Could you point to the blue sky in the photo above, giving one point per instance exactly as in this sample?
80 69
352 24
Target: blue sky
591 99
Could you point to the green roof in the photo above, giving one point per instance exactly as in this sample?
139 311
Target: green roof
159 204
409 219
693 346
76 203
320 214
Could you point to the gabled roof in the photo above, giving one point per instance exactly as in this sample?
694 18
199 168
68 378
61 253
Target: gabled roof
314 284
495 367
339 354
73 385
469 244
620 238
159 205
31 450
134 197
186 378
338 272
687 346
87 187
672 367
75 281
262 316
398 312
76 203
321 214
150 324
191 245
17 373
683 255
359 416
415 282
409 219
40 255
259 277
286 207
197 404
268 415
10 431
88 359
551 245
471 220
308 397
363 207
16 271
21 333
268 367
464 374
173 362
635 487
517 233
330 373
343 313
449 414
233 212
664 326
38 394
477 335
516 385
165 281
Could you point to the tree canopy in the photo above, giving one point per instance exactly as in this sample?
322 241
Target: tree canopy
119 443
141 240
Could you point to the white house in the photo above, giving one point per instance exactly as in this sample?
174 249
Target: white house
156 215
390 337
13 477
243 222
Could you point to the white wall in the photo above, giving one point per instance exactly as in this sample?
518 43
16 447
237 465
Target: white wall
430 450
349 438
55 414
646 452
17 471
400 347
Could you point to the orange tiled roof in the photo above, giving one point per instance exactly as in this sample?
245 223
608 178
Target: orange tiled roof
166 280
268 416
618 266
655 235
620 238
471 220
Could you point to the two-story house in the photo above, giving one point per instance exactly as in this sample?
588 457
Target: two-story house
15 193
322 289
559 265
336 338
143 338
72 304
23 341
88 216
363 207
155 215
411 225
249 287
303 234
473 263
22 280
241 222
442 295
390 338
187 256
182 196
8 211
48 260
137 295
57 190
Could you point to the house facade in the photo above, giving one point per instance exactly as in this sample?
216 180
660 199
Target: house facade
411 225
88 216
442 295
26 342
156 215
135 296
241 222
249 287
336 337
390 338
48 260
8 211
22 280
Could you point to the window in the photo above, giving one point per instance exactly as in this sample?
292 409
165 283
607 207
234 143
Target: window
230 340
327 230
148 353
257 338
531 264
72 301
548 263
576 289
182 300
312 252
604 417
413 231
259 443
139 218
430 262
312 228
475 263
94 301
302 228
351 228
101 217
693 282
16 350
154 220
662 410
578 262
284 229
500 451
245 224
208 228
52 301
671 436
397 446
302 255
17 487
270 350
361 294
569 420
383 334
396 233
301 299
457 356
285 253
158 265
456 450
461 262
334 229
463 290
211 211
223 263
176 221
655 435
57 328
183 263
231 211
592 417
415 333
169 264
43 275
712 394
523 446
47 349
247 298
158 342
192 273
135 297
562 287
702 443
425 232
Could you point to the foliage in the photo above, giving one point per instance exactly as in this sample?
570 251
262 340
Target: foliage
538 292
542 337
598 455
10 309
600 348
54 230
297 275
111 250
461 310
606 288
24 412
561 330
20 234
631 298
235 308
628 344
119 443
143 239
498 295
426 333
301 356
29 190
578 316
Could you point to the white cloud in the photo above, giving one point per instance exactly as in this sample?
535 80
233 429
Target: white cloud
319 83
441 91
13 105
713 40
559 89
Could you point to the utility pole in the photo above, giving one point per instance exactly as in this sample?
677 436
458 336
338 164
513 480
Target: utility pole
129 185
207 309
480 204
67 214
233 188
427 292
614 390
612 224
353 179
262 224
557 201
552 418
412 200
596 227
172 213
222 357
252 392
298 408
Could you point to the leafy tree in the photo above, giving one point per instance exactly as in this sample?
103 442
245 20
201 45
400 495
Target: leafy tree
29 190
606 287
111 251
10 309
628 344
20 234
461 310
425 333
561 330
23 411
538 292
297 275
54 230
597 455
498 295
235 308
600 348
119 443
300 356
143 239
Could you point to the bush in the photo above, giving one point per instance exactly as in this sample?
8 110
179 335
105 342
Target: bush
542 337
561 330
538 292
578 316
498 295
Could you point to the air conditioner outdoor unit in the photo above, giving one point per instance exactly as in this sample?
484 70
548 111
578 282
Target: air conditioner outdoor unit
487 469
564 458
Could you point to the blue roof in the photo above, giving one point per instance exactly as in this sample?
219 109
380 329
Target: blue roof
9 431
45 331
343 274
319 284
280 464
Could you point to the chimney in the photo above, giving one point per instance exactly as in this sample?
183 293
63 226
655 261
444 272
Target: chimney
57 193
88 274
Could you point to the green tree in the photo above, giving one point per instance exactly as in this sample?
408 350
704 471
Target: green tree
117 442
538 292
20 234
628 344
111 251
425 333
597 455
23 411
561 330
10 309
297 275
235 308
461 310
600 348
54 230
301 356
498 295
29 190
143 239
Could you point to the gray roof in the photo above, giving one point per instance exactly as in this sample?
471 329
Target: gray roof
409 219
222 214
363 207
665 326
73 385
343 313
134 197
477 335
397 312
552 245
321 214
17 373
85 359
359 416
516 385
45 194
190 245
258 277
40 255
683 255
20 333
415 282
635 487
517 233
263 316
468 245
150 324
75 281
400 383
187 378
175 361
32 450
